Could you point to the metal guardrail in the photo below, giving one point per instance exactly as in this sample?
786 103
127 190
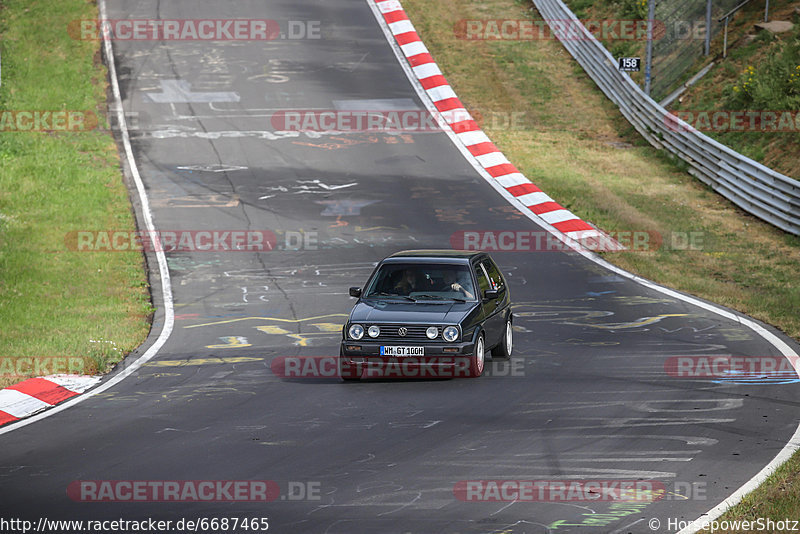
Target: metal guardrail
757 189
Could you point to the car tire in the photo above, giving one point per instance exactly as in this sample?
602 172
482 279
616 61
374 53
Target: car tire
349 373
478 359
503 350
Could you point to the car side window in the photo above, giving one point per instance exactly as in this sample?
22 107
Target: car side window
495 278
483 282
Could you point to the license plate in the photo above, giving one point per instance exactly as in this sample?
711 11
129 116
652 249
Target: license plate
402 351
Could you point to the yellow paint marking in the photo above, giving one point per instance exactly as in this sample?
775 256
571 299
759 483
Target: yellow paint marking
733 334
633 300
278 319
328 327
231 342
202 361
302 341
272 329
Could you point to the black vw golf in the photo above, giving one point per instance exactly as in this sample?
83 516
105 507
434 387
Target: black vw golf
428 313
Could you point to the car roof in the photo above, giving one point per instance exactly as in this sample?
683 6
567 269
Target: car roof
454 256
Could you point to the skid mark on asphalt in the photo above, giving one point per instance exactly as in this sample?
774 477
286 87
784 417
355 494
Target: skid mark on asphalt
639 406
336 143
197 201
203 361
330 270
278 319
584 316
558 313
580 342
642 321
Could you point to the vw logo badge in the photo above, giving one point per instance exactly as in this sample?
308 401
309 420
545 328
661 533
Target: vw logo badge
402 331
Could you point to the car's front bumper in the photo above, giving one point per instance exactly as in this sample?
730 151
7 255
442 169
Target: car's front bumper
443 360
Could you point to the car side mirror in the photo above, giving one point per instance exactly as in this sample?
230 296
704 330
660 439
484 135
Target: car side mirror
490 294
355 292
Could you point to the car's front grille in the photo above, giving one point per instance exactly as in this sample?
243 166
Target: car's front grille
391 332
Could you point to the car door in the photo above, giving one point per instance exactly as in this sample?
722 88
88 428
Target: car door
482 284
495 320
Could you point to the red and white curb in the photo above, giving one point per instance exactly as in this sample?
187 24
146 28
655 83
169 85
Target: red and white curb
36 394
469 133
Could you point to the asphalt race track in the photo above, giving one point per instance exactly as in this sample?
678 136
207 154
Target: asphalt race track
586 396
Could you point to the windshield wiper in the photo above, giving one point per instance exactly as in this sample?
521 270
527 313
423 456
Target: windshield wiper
394 295
439 297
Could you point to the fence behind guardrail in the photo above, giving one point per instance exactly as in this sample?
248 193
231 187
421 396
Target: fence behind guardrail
753 187
681 39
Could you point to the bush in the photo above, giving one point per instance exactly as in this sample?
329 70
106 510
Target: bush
636 9
774 84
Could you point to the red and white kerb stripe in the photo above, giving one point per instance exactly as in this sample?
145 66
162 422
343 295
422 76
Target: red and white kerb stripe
468 132
36 394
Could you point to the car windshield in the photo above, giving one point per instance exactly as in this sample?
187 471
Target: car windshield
422 281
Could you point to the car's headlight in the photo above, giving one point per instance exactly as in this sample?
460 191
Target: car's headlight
356 331
432 332
450 334
374 331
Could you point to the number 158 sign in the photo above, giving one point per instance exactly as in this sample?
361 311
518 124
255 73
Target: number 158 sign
630 64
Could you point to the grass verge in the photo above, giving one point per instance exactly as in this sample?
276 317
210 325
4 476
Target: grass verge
552 122
778 498
60 310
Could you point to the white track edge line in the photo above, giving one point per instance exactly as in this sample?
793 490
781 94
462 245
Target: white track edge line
166 284
794 442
